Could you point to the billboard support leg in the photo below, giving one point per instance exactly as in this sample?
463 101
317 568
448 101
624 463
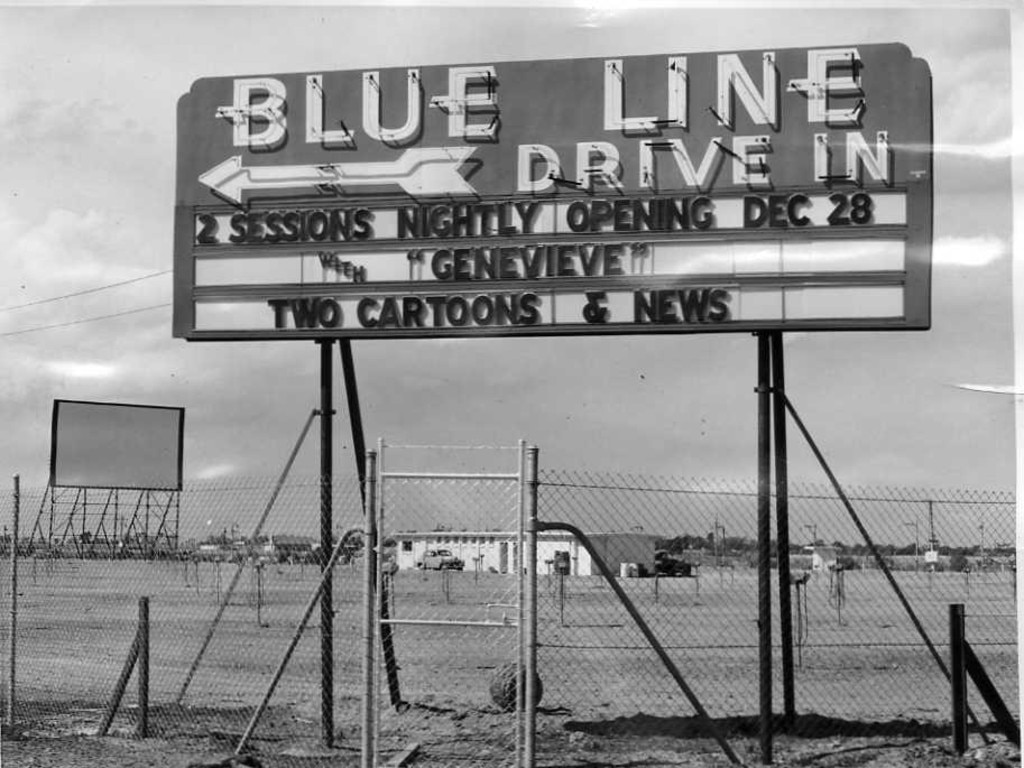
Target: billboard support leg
355 417
355 414
764 585
782 528
326 543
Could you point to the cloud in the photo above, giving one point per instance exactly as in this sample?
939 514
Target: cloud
66 123
77 370
212 471
981 251
975 105
1000 149
63 251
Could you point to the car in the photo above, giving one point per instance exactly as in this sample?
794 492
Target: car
667 565
440 560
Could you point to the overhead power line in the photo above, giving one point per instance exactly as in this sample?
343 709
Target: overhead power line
83 293
86 320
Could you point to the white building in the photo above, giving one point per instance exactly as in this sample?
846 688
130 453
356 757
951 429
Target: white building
497 551
823 558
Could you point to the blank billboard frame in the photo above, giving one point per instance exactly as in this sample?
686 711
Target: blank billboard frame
100 481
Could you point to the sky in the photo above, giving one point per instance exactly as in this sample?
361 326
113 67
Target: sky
87 197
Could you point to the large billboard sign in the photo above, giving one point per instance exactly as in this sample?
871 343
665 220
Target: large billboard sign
116 445
686 192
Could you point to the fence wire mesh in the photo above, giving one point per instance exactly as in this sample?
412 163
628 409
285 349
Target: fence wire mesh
77 612
688 561
684 550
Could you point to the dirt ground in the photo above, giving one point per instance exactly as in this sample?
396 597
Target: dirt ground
884 700
445 737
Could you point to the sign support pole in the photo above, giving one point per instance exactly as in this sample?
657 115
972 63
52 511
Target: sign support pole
764 586
355 417
355 414
782 527
326 544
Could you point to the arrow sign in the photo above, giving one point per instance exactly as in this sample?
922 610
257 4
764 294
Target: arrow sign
419 171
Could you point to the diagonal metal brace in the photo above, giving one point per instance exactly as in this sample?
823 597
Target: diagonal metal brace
655 644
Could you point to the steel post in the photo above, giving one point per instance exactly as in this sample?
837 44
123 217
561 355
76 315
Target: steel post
764 586
326 543
142 674
782 527
959 677
529 561
369 616
12 669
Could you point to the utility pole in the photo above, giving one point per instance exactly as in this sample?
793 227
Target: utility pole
932 541
814 533
916 539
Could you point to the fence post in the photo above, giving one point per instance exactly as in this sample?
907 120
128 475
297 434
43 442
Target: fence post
369 617
14 602
529 685
958 679
142 726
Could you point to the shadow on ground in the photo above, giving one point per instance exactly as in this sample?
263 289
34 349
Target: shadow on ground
805 726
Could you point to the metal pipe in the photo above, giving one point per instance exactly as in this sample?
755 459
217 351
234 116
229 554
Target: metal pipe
446 623
12 669
256 531
529 681
326 542
764 585
450 475
874 550
369 623
120 685
142 675
296 636
355 414
387 640
782 528
520 606
647 632
959 677
378 512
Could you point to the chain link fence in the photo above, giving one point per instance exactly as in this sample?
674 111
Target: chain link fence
693 576
684 551
225 601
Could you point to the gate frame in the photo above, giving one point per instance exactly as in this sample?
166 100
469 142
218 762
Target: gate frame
376 624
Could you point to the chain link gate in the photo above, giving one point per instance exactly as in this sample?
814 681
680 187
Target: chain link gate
445 630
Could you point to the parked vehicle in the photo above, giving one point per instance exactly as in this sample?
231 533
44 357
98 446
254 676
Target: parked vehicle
666 565
440 560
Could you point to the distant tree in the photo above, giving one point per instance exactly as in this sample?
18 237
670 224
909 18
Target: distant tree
957 560
677 544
